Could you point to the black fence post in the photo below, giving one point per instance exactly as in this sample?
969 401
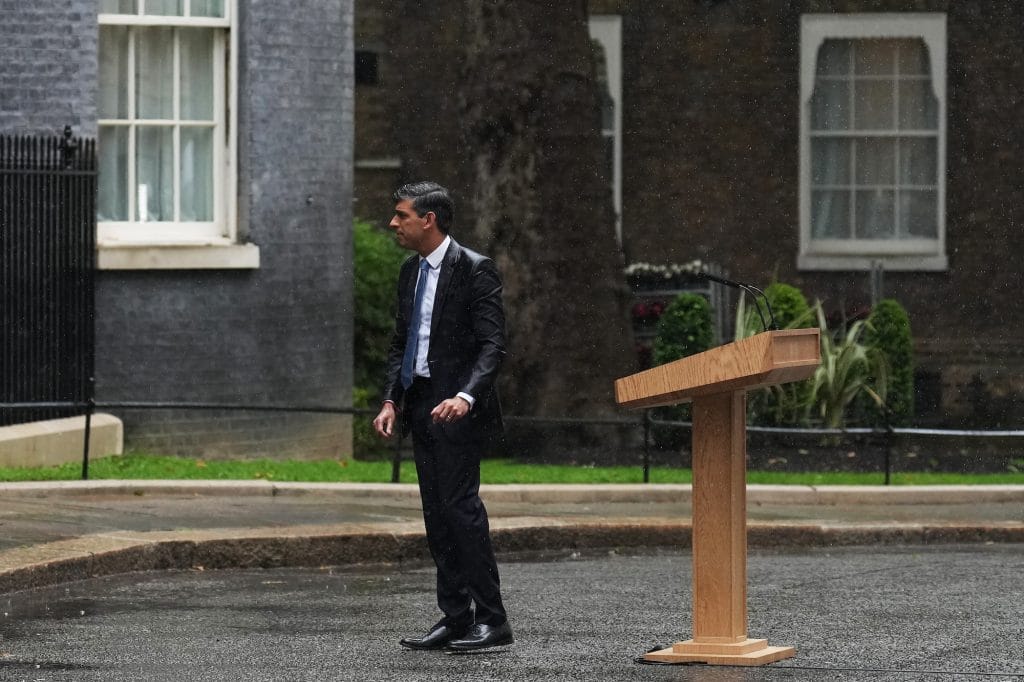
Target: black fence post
647 446
890 445
90 407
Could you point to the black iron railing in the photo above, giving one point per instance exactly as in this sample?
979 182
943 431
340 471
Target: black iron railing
47 264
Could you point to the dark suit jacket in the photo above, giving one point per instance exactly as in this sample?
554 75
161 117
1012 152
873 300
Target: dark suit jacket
467 340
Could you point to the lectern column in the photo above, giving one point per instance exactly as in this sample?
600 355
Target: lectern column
720 541
719 519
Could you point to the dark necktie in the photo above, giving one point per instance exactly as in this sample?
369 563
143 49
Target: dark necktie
412 338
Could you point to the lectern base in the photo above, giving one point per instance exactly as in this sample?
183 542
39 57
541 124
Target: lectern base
750 652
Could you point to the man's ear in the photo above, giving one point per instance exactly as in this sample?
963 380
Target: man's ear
431 219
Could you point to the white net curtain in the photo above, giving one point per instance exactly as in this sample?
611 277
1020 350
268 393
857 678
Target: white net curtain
874 141
157 113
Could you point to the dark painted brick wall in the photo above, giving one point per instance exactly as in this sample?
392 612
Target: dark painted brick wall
711 171
47 66
711 168
278 334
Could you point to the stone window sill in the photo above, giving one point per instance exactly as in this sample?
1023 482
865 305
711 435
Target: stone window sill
177 257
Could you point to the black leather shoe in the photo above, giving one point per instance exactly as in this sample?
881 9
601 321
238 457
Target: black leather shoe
439 635
481 637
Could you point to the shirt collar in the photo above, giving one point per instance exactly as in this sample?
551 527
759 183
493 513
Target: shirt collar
437 255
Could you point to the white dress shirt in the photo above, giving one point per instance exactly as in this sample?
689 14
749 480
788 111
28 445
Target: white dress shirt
421 367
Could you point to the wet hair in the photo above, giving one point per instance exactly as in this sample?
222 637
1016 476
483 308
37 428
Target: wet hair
429 197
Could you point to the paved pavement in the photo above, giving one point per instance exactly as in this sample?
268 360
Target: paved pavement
55 532
868 583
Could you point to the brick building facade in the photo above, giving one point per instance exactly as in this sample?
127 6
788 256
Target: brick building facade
720 133
243 293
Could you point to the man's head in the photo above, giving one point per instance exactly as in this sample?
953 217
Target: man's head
423 215
429 197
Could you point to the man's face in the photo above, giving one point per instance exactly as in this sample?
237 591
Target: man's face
409 228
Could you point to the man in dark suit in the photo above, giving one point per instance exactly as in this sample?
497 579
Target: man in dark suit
448 345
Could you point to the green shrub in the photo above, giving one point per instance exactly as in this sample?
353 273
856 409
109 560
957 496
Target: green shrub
789 306
850 371
888 332
786 404
377 262
684 329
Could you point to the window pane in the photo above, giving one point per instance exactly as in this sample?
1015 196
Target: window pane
913 57
118 7
165 7
874 57
113 75
918 108
830 105
834 58
918 160
112 202
876 161
873 105
830 161
197 174
830 214
154 73
875 211
155 173
918 211
197 74
208 8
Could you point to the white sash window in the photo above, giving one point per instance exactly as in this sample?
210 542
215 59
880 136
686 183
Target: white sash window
166 144
873 141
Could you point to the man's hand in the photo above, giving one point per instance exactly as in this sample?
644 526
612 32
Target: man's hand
384 424
451 410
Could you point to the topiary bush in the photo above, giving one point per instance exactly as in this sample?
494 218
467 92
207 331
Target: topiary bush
684 329
377 262
789 306
788 404
888 333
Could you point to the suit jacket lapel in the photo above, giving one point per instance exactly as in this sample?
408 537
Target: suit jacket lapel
444 279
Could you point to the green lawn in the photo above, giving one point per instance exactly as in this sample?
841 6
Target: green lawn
136 466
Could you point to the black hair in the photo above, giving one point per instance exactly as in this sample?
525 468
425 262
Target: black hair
429 197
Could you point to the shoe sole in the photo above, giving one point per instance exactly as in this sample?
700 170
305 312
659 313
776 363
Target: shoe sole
476 650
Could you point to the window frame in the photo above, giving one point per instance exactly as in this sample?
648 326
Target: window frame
183 244
841 254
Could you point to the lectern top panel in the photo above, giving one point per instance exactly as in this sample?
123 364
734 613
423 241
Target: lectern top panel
774 357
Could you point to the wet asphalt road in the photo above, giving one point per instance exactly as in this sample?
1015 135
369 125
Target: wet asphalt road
864 613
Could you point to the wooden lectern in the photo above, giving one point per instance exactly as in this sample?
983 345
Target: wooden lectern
717 381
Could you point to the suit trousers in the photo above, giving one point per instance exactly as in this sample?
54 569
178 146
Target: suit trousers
458 532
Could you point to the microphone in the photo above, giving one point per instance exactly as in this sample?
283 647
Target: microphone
756 295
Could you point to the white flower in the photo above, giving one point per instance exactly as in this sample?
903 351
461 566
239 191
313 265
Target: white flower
667 271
